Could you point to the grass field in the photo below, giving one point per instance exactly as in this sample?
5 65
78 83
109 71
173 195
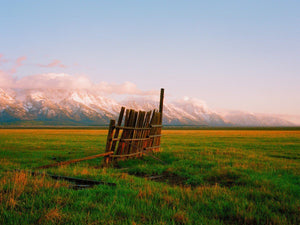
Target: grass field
209 177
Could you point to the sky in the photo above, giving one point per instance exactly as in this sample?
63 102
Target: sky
234 55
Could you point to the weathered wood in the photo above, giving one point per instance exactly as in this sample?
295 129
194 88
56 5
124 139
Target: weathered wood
139 135
133 128
109 135
121 143
161 101
75 160
131 123
155 130
118 128
126 155
109 139
147 132
131 133
156 125
160 119
130 139
141 132
152 122
133 146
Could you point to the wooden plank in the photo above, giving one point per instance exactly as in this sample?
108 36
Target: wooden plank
130 139
161 101
155 130
146 132
156 125
158 131
131 132
134 147
154 143
121 115
160 119
109 135
139 135
109 139
152 122
126 155
75 160
122 144
133 128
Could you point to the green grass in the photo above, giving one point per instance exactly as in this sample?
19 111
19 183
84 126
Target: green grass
209 177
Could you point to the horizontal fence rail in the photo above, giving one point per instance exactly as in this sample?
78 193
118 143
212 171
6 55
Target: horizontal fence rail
140 133
135 133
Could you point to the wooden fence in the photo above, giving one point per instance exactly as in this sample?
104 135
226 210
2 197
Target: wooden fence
135 133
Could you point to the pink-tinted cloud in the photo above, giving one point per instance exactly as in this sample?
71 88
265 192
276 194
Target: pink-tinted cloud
54 80
6 80
18 63
2 60
124 88
66 81
54 63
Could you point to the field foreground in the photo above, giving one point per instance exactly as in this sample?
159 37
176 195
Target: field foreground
209 177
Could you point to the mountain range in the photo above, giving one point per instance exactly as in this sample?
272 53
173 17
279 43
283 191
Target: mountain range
89 107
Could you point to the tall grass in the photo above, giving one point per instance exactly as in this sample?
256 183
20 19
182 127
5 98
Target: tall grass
210 177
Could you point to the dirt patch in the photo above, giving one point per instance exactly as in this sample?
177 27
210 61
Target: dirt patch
226 177
166 177
285 156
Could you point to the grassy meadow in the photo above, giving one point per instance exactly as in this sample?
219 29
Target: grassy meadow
208 177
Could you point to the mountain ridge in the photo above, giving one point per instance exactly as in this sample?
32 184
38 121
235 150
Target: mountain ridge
88 107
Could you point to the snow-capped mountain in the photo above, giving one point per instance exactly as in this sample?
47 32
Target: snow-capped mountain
88 107
254 119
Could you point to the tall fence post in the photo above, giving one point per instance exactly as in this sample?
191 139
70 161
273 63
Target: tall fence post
109 139
140 133
161 101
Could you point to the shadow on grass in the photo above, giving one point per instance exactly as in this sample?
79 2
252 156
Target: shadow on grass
285 156
227 177
172 179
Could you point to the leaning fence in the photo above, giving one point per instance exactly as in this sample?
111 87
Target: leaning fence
135 133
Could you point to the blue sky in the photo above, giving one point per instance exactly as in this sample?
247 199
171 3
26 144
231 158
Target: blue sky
242 55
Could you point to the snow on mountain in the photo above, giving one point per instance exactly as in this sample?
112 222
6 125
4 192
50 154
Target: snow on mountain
200 111
84 106
184 111
251 119
5 97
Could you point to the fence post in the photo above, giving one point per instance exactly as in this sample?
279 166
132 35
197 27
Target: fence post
109 139
161 101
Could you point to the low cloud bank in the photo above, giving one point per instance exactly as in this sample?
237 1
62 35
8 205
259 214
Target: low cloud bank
66 81
6 80
62 80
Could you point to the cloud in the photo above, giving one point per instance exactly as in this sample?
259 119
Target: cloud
64 81
69 82
124 88
2 60
54 63
54 80
6 80
18 63
14 64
